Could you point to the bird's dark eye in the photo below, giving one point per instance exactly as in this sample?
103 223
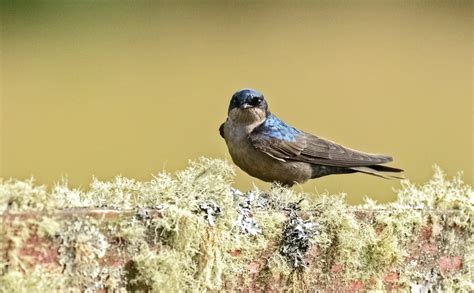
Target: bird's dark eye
256 101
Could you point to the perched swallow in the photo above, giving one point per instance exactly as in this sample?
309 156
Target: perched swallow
267 148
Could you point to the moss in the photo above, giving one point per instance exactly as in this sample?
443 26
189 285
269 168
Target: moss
192 231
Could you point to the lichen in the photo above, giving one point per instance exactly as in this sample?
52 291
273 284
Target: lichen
443 205
192 231
82 246
16 195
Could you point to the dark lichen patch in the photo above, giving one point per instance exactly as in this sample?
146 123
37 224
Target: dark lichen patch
193 232
297 238
245 220
211 211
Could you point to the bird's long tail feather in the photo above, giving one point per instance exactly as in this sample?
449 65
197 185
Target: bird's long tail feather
377 170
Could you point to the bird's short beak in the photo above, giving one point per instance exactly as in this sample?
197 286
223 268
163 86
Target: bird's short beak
246 106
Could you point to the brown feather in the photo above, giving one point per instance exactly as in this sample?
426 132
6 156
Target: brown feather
315 150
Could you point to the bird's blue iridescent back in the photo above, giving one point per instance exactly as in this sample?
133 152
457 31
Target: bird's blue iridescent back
278 129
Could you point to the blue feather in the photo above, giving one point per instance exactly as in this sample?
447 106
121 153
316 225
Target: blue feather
276 128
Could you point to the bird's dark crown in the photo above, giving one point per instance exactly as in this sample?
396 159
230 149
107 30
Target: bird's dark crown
248 98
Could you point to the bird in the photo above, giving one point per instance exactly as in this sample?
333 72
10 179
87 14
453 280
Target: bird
267 148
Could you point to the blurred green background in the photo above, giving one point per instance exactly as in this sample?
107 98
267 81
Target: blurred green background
134 87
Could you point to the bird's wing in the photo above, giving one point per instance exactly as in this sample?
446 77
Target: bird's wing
308 148
321 151
277 139
279 149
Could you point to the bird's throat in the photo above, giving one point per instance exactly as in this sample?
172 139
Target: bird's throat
248 118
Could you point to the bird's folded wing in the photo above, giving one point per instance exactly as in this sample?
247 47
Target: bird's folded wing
312 149
277 148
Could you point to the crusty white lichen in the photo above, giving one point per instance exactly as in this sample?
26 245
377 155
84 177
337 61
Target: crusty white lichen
82 245
192 231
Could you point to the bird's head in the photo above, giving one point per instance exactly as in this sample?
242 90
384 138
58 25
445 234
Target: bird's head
248 106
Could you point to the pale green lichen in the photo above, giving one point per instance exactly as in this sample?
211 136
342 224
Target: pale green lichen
16 195
35 281
182 233
445 205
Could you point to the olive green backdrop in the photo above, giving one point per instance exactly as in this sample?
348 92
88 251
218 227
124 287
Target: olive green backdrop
134 87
